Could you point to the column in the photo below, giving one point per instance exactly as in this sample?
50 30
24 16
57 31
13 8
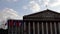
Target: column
12 29
42 28
59 27
15 29
29 28
12 26
51 27
18 29
33 27
9 31
46 28
38 27
55 27
24 27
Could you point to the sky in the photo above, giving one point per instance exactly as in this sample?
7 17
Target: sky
16 9
25 7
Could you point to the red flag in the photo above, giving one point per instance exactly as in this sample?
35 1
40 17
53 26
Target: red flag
18 24
11 23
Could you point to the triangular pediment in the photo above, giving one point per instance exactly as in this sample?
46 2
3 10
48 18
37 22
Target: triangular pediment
45 13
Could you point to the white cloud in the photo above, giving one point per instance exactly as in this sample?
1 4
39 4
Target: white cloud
46 2
36 5
33 6
6 14
10 13
55 3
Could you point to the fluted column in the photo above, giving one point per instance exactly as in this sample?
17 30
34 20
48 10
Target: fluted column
38 27
15 29
46 28
55 28
51 27
59 27
42 28
33 27
9 30
24 27
12 29
29 28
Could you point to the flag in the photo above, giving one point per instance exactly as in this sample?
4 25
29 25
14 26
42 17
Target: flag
11 23
18 24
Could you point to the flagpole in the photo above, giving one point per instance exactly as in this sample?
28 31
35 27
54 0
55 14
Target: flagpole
46 7
46 4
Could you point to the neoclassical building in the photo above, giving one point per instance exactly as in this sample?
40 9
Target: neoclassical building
15 26
43 22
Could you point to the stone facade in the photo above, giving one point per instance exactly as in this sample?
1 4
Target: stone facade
44 22
16 26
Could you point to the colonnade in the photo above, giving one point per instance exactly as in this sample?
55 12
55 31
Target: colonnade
42 27
36 28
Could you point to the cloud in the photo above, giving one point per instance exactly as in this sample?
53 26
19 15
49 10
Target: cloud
12 0
37 5
24 7
6 14
33 6
10 14
46 2
55 3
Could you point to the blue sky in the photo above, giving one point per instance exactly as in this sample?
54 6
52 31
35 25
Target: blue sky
16 9
25 7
